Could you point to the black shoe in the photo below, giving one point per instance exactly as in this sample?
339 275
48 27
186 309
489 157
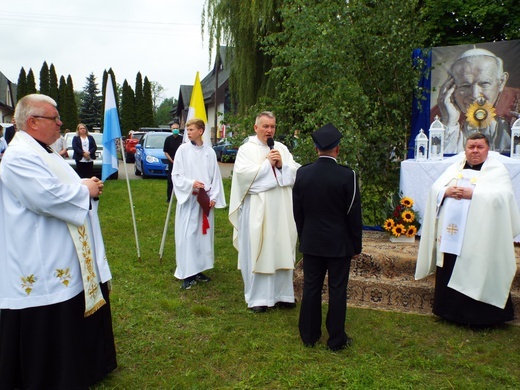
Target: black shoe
258 309
310 345
200 277
347 343
188 283
285 305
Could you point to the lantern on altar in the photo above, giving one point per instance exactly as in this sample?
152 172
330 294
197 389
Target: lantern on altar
515 139
436 140
421 147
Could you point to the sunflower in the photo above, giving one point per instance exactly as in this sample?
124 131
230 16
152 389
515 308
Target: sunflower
480 113
389 224
412 231
407 202
408 216
398 230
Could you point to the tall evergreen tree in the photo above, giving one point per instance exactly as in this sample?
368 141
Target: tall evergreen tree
103 93
128 121
90 111
21 89
31 83
53 83
44 79
139 105
67 109
148 111
72 104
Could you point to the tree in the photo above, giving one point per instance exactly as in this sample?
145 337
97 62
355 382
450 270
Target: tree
31 83
53 83
243 25
455 22
103 92
128 121
148 108
157 90
139 105
44 79
90 111
21 89
67 105
163 115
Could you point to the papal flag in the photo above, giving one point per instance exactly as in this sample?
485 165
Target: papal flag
198 110
111 132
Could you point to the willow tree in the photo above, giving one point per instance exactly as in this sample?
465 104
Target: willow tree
242 25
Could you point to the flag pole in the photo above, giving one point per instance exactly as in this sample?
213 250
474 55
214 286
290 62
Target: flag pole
130 198
161 249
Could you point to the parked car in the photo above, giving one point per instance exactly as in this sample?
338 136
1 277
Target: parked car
225 148
150 160
132 140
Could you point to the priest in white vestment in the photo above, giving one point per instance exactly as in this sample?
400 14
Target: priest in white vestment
469 225
195 169
55 324
261 214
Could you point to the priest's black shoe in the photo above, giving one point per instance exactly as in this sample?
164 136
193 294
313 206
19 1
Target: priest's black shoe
258 309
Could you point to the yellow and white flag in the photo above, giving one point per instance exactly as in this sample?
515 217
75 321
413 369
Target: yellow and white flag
198 110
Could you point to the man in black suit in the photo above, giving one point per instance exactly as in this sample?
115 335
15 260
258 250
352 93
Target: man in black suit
327 211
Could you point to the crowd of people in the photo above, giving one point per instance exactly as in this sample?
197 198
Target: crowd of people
58 287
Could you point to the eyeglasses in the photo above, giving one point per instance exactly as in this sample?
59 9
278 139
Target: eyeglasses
53 118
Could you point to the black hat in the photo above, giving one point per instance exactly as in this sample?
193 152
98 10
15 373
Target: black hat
326 137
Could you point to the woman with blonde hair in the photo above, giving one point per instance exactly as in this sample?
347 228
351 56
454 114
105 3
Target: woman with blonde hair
84 147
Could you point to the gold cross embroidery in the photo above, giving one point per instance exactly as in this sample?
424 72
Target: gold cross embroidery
452 229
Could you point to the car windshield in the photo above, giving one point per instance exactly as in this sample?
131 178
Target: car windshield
155 141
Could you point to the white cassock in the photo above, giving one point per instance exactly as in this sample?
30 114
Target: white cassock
264 229
42 268
194 251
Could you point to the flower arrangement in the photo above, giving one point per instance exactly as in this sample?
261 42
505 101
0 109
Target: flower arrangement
403 220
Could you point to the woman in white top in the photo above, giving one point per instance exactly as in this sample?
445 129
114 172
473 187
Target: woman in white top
84 147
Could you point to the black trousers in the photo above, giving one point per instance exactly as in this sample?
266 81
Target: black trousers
169 188
314 270
55 346
85 169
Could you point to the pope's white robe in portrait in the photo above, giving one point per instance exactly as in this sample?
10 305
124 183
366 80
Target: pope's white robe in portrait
264 229
42 268
486 265
194 251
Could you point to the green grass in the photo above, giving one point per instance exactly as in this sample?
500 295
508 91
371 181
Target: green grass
205 338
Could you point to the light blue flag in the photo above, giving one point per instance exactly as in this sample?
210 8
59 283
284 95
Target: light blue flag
111 132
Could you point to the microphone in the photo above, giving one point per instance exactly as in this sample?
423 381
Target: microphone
270 143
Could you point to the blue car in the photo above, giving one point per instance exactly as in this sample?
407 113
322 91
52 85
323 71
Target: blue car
150 160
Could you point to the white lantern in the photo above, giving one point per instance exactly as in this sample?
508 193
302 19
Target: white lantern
436 140
515 140
421 147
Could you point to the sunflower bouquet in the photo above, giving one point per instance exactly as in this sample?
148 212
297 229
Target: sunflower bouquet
403 219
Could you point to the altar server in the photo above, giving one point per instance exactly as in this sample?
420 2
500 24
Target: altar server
195 170
469 225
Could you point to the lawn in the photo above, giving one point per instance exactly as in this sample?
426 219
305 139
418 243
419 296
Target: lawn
205 338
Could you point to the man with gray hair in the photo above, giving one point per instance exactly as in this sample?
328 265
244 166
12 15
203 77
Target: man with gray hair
477 73
55 326
260 211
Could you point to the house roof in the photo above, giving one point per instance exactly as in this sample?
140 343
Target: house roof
208 83
7 85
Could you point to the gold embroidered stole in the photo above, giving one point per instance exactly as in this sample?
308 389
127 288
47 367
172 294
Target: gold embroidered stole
91 283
